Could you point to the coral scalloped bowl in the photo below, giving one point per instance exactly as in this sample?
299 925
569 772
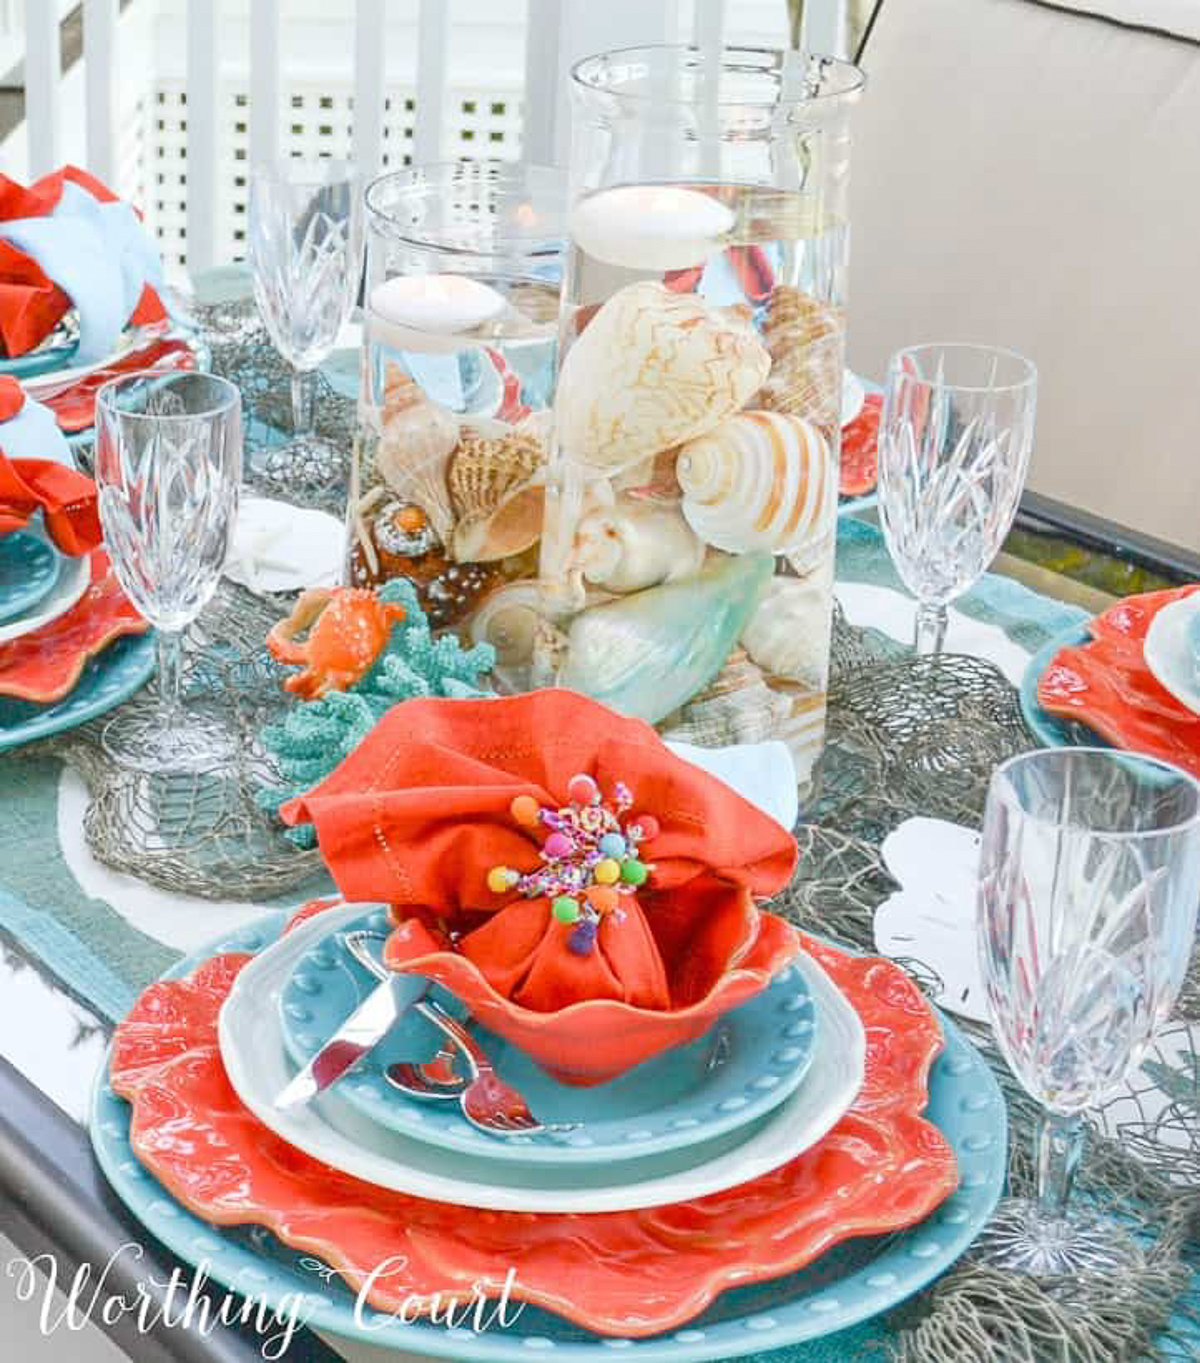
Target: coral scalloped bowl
735 957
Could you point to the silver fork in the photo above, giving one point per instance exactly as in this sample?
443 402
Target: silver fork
487 1101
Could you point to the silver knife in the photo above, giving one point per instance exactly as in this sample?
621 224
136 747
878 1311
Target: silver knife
362 1031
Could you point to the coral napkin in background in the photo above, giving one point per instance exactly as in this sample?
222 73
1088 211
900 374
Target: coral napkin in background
427 815
68 241
47 482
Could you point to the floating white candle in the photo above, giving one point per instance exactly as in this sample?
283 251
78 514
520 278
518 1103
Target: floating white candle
651 227
436 303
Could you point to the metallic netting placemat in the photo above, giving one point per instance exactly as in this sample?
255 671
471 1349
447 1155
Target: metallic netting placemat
907 736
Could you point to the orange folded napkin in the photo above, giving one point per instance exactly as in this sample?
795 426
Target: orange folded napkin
483 822
66 497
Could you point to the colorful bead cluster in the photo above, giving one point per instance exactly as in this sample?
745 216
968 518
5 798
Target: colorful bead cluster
590 860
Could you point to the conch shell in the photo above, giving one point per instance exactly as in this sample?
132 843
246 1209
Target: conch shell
497 495
788 635
737 706
652 369
631 545
759 481
647 654
416 439
805 340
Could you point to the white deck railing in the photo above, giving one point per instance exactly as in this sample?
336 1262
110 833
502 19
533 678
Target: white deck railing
117 54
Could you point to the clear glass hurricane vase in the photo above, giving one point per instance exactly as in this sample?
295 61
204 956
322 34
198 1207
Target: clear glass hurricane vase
1088 889
687 556
954 445
168 466
305 239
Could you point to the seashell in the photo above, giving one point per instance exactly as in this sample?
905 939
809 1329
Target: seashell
496 494
759 481
647 654
804 338
788 635
737 706
653 480
653 369
416 439
508 619
632 545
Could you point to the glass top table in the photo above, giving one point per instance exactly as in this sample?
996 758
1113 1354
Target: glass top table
52 1041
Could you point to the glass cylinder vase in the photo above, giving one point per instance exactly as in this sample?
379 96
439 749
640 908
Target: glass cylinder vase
687 557
460 329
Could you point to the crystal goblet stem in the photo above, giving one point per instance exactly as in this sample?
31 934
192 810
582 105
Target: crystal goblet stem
304 403
1059 1145
930 630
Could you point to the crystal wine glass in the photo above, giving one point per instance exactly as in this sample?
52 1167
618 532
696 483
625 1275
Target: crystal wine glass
954 445
305 225
168 465
1089 882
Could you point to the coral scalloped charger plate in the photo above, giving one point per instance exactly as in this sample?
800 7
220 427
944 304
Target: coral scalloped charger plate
629 1275
1092 683
747 1064
44 665
336 1135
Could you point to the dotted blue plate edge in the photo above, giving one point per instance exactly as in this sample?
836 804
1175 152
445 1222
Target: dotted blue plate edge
649 1134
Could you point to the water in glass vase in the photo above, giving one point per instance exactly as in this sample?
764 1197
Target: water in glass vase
687 556
447 482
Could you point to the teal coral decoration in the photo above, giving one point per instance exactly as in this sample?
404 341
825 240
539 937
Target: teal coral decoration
316 735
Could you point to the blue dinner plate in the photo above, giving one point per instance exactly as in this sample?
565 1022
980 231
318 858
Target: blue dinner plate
857 1280
1048 729
107 679
29 568
744 1066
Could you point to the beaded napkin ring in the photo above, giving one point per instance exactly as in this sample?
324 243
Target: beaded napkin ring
590 860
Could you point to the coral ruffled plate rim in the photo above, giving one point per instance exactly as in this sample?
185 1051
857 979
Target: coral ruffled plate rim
1103 683
45 664
630 1274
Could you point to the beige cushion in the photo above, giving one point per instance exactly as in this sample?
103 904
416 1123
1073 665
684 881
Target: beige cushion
1031 177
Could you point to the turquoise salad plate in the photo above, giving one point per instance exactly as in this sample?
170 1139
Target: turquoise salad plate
741 1069
849 1285
29 568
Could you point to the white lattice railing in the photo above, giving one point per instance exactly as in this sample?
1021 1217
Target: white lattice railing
175 100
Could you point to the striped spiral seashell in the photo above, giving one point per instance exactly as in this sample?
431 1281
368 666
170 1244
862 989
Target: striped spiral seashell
758 481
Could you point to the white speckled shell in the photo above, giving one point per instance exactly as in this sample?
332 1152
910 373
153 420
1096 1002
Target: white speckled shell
650 370
759 481
788 634
632 545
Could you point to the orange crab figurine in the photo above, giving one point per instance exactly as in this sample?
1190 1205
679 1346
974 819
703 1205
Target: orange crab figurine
347 629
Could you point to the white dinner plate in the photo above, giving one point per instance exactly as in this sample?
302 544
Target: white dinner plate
1168 653
328 1130
73 580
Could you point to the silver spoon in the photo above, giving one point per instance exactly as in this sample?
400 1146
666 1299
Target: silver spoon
487 1101
440 1078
